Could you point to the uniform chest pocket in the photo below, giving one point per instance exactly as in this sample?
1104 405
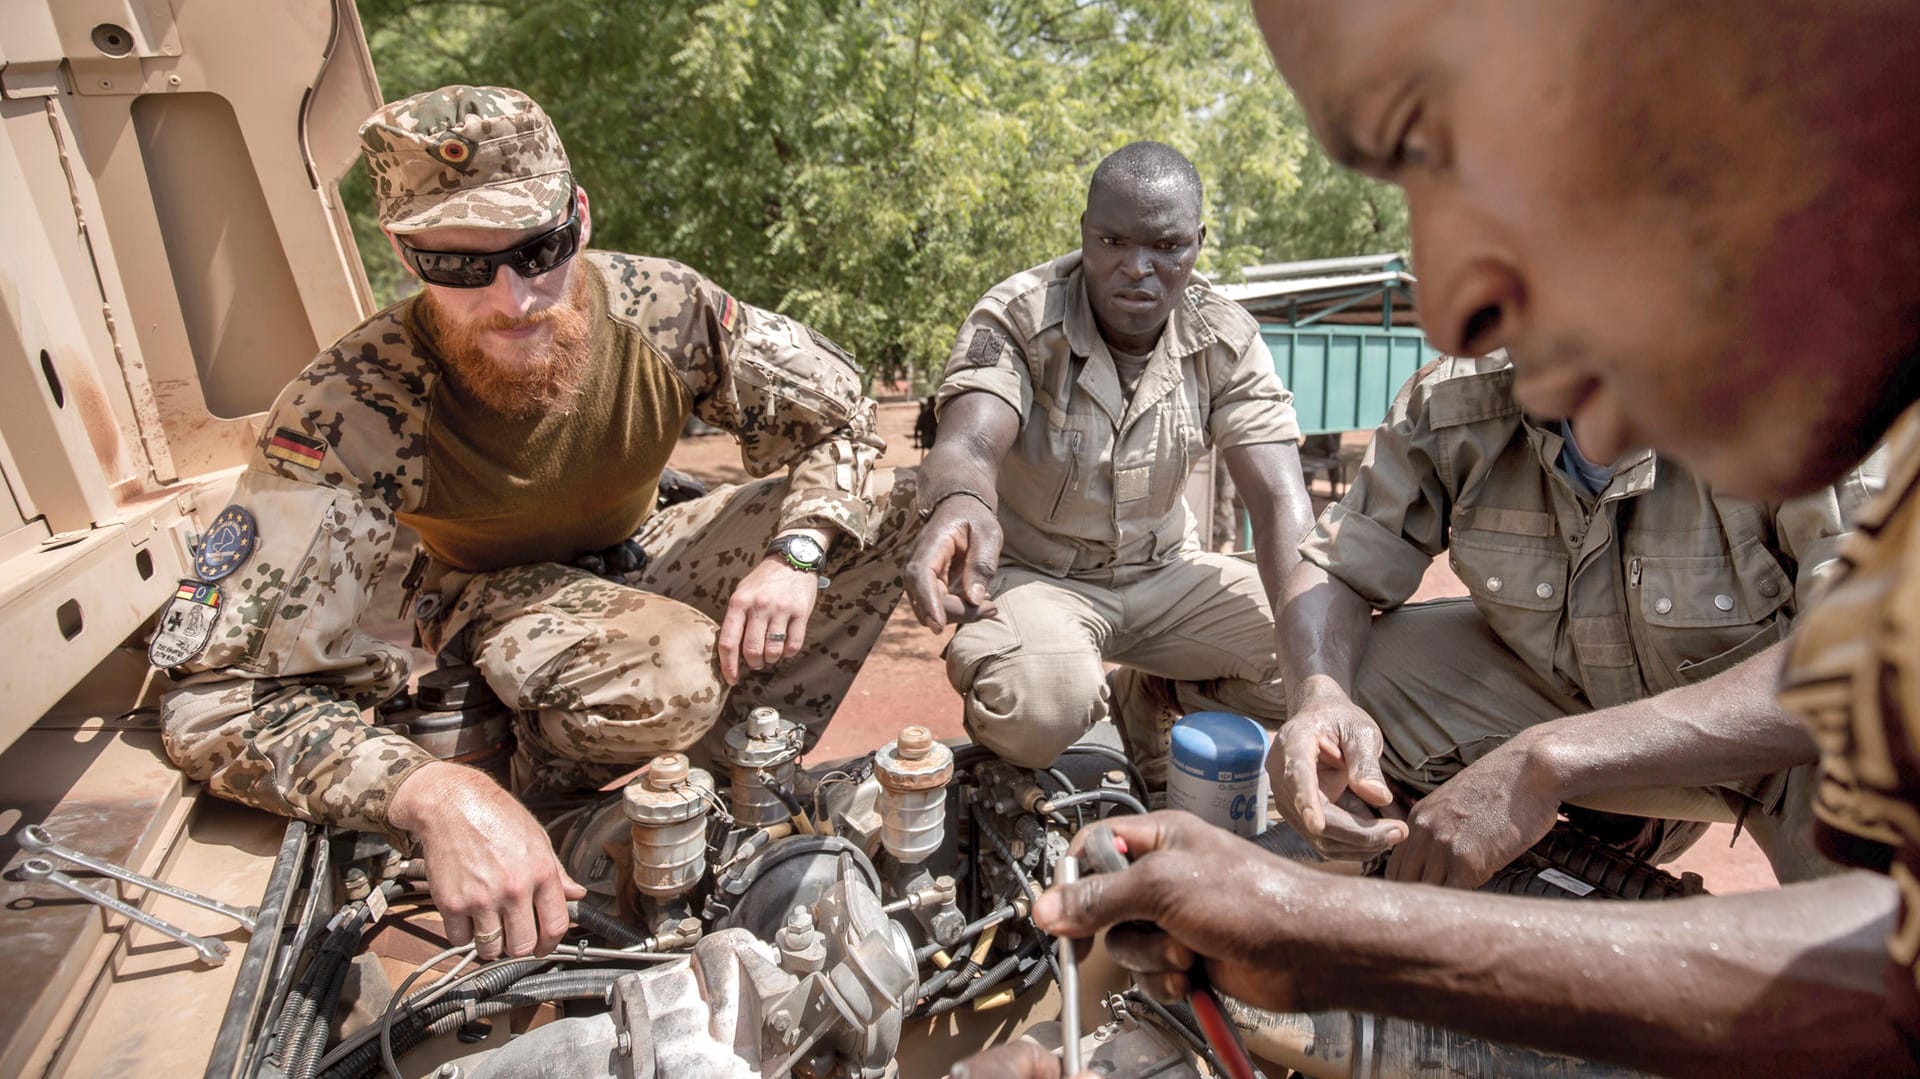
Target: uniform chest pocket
1501 571
1706 613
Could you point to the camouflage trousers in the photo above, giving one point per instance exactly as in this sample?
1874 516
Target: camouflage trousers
605 674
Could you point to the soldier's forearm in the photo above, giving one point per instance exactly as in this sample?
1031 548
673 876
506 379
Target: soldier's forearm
1324 626
302 752
1725 729
1782 982
976 431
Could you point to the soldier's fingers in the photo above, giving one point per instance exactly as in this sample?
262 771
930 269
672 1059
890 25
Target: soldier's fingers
1368 834
1360 748
796 638
459 927
926 579
521 927
983 561
753 640
1305 808
729 643
550 908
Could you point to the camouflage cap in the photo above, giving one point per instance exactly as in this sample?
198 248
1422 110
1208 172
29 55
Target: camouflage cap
466 157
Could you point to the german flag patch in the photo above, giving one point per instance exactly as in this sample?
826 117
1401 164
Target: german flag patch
295 448
729 312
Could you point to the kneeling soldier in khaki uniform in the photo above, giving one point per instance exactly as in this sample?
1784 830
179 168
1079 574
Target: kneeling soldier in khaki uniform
1618 651
518 413
1077 399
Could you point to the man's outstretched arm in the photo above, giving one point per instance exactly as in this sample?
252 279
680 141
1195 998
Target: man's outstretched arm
1779 982
1723 730
953 561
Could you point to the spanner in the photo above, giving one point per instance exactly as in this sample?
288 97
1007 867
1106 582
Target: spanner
36 839
212 952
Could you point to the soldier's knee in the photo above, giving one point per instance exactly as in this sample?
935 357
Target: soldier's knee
1029 708
623 699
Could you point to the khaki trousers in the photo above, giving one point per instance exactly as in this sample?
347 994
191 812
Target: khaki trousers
1032 676
1447 692
604 675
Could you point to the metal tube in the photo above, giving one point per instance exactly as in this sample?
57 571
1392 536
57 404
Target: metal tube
1066 872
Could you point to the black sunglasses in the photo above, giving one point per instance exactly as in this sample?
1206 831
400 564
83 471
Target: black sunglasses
467 269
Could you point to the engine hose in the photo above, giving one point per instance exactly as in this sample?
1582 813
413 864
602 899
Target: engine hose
1119 798
449 1014
599 922
366 1044
309 1005
987 982
1183 1026
1108 753
305 1060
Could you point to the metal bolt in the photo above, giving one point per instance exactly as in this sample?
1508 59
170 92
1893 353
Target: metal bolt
800 919
624 1045
782 1020
914 743
668 770
763 722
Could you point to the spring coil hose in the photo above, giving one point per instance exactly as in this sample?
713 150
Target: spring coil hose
1612 873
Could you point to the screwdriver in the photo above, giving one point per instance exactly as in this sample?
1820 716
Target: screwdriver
1066 871
1107 853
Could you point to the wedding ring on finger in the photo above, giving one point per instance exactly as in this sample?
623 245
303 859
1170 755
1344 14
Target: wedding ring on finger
776 638
490 935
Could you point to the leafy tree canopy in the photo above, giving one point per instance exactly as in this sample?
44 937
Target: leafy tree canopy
873 166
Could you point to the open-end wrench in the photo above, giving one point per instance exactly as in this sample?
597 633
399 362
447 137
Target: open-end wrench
212 952
37 839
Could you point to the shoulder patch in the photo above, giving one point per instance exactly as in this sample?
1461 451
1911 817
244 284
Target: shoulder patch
295 448
229 541
186 624
729 312
985 347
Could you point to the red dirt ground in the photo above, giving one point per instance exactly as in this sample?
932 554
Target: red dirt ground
904 680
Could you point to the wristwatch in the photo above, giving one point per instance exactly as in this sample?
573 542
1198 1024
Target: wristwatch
801 551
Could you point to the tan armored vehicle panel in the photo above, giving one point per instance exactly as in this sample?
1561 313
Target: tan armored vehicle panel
175 250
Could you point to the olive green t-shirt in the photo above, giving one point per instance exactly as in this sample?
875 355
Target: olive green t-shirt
506 490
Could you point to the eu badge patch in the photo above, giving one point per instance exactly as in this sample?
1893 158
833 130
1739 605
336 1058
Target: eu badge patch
227 544
186 624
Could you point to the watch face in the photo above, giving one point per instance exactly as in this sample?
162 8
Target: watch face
804 549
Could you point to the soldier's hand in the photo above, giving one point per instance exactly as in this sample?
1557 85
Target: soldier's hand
1021 1059
1195 893
766 619
1477 822
492 870
1328 754
952 564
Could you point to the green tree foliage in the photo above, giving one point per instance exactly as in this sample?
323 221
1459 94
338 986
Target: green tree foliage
873 166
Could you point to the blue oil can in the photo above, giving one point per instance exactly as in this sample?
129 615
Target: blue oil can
1219 763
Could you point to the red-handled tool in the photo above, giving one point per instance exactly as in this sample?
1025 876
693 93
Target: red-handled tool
1104 852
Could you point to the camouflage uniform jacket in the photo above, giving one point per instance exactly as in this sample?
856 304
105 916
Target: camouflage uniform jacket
269 712
1654 583
1096 478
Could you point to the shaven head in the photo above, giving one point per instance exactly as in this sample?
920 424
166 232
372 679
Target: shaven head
1139 166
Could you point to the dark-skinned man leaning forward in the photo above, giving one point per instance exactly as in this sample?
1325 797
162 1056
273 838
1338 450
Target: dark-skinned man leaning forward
1078 397
1695 227
518 413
